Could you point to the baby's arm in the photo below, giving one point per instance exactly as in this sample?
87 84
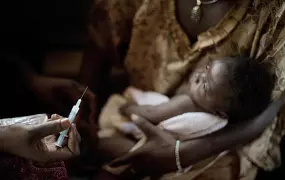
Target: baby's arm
177 105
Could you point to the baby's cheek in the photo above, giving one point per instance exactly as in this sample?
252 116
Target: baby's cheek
203 101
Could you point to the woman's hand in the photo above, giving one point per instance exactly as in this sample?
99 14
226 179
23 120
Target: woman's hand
156 156
37 142
61 94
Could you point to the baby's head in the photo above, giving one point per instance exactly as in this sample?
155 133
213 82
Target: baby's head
235 87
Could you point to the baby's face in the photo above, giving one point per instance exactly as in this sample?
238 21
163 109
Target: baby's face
209 85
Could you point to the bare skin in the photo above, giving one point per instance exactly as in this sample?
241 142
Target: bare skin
203 92
212 14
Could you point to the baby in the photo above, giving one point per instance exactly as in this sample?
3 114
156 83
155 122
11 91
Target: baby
217 92
231 88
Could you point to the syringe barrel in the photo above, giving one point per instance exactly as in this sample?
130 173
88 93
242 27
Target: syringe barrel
61 138
71 118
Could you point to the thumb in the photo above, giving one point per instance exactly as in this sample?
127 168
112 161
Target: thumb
49 128
145 126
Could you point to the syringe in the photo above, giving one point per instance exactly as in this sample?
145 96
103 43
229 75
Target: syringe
71 118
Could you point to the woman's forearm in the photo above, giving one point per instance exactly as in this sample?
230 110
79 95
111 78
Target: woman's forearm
230 137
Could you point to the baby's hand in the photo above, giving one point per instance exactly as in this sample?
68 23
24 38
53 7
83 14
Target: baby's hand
142 110
130 128
128 109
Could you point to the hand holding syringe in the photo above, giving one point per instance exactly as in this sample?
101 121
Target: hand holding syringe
71 118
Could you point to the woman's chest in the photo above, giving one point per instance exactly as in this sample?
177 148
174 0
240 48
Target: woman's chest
210 15
160 53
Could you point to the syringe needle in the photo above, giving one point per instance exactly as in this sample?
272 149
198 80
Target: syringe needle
84 92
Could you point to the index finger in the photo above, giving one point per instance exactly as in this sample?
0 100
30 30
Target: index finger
48 128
